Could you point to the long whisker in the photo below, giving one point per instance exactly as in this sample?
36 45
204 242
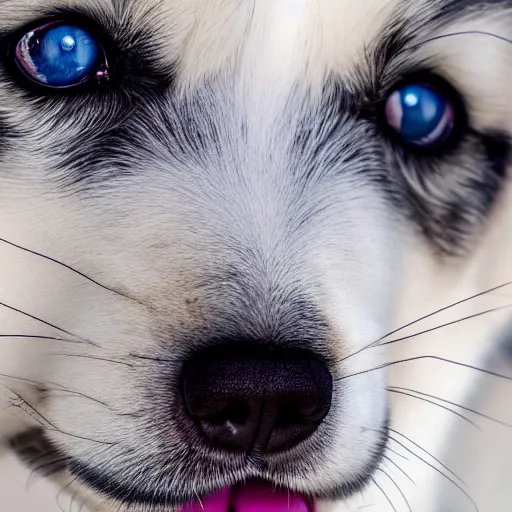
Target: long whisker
444 466
44 322
384 494
34 337
149 358
46 422
434 358
21 379
398 454
434 468
389 459
454 322
94 358
425 317
485 416
64 265
426 452
46 386
71 392
397 486
404 393
446 308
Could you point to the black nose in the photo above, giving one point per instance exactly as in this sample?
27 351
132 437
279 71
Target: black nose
257 398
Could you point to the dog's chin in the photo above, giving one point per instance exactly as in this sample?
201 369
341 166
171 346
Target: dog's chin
228 494
248 496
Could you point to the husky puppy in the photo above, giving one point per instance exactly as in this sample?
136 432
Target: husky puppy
243 244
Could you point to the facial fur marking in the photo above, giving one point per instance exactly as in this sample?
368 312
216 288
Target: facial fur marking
256 179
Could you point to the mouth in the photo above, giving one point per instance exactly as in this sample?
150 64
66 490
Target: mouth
256 495
235 440
251 497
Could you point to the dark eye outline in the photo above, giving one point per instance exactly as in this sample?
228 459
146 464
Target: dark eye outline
100 71
90 83
453 98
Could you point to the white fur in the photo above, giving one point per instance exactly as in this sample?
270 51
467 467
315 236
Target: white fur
155 238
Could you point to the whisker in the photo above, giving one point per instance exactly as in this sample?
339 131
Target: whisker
94 358
444 466
57 388
149 358
433 467
446 308
398 454
434 358
404 393
64 265
384 494
415 454
28 315
20 379
397 486
425 317
389 459
62 389
453 322
490 418
34 337
46 422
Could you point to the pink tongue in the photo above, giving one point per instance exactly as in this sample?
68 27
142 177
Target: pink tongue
250 498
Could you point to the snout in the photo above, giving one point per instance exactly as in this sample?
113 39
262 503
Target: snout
242 396
255 399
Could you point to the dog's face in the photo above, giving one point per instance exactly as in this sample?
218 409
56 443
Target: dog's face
207 212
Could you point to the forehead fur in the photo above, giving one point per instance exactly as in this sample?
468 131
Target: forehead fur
303 41
206 35
317 36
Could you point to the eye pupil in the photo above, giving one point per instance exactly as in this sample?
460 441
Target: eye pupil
420 115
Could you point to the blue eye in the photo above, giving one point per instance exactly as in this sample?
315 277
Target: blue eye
59 56
420 115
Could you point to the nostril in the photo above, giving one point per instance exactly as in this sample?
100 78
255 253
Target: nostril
236 413
289 415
